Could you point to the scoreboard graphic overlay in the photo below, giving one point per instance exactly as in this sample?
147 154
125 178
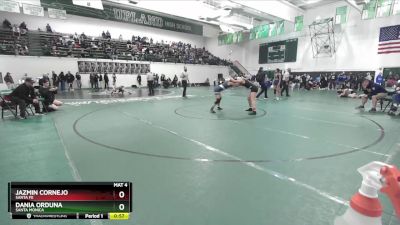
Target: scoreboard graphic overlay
278 52
70 200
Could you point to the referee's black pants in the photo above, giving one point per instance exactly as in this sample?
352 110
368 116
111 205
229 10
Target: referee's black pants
184 85
285 87
150 84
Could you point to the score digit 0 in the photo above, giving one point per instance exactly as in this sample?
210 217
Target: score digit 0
121 194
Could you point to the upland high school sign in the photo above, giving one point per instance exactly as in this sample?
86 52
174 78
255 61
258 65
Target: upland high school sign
149 20
126 15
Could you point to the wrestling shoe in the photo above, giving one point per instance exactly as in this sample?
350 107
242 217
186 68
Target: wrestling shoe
212 110
372 110
249 110
360 107
393 108
253 113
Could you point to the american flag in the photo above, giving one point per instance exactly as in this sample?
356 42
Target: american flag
389 40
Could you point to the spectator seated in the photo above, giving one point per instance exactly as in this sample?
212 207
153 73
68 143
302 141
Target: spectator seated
11 44
13 40
7 25
47 93
391 92
394 109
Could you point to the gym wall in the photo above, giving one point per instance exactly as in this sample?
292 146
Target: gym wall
356 44
37 66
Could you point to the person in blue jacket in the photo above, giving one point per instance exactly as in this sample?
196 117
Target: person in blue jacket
379 79
372 91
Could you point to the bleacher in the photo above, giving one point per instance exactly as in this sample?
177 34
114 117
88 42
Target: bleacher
42 43
7 45
10 43
46 41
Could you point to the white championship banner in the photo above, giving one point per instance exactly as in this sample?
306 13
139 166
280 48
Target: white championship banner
33 10
9 6
57 13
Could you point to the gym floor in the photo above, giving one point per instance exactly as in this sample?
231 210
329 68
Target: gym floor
295 163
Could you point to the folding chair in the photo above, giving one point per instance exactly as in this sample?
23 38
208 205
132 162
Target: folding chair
44 108
7 104
388 99
389 102
29 106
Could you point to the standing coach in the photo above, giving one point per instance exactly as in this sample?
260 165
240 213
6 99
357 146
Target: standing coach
150 82
185 79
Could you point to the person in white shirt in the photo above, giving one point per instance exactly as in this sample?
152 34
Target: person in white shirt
368 77
150 82
185 79
285 83
297 81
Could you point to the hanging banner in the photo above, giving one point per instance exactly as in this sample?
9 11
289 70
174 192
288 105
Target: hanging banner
234 38
396 8
280 27
244 36
267 30
9 6
298 23
229 39
125 14
221 40
263 31
57 13
341 15
254 33
33 10
369 10
272 30
383 8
